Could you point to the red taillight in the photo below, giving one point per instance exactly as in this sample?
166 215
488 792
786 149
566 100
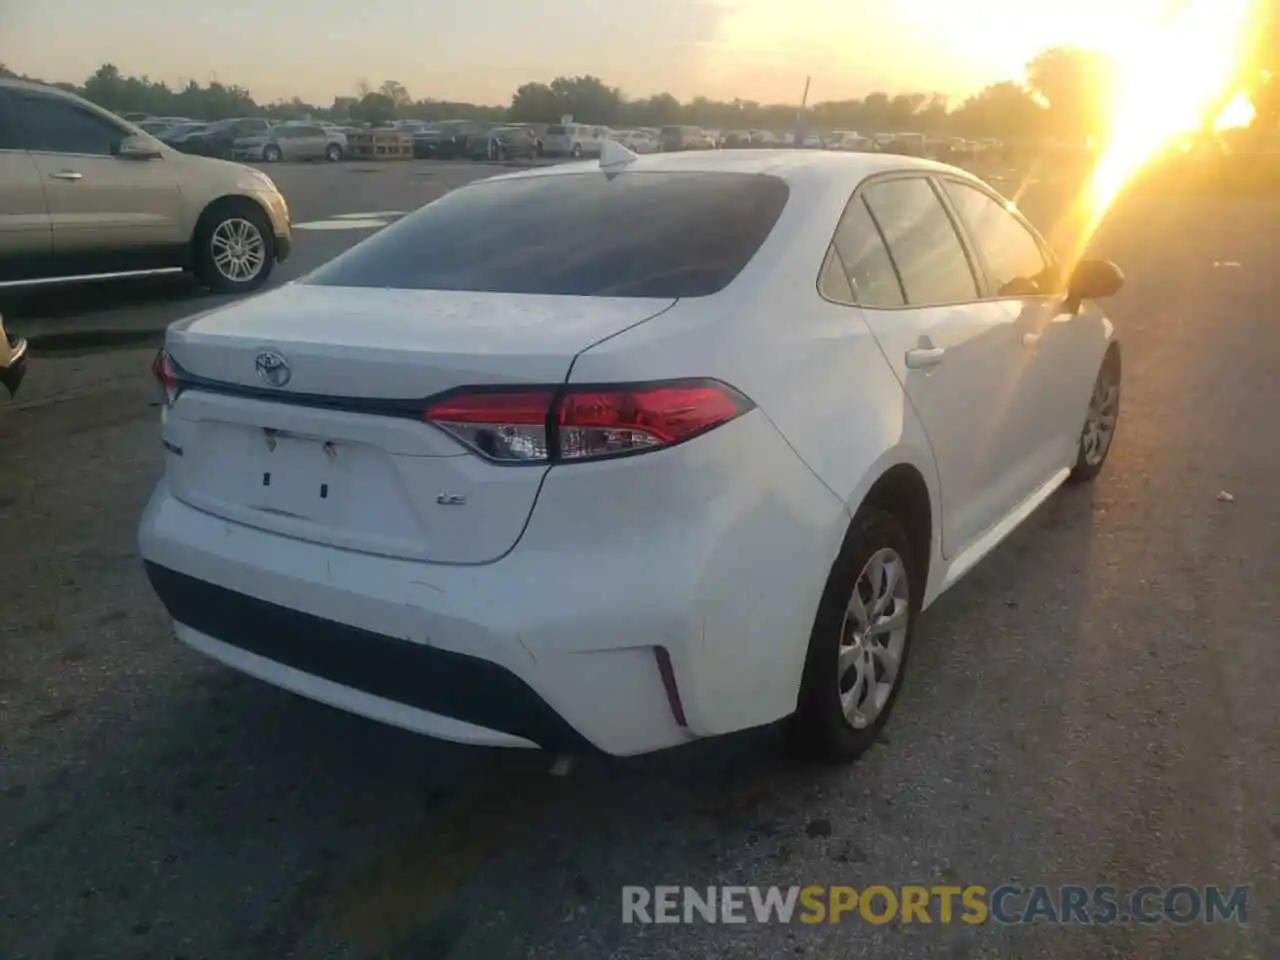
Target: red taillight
166 374
584 423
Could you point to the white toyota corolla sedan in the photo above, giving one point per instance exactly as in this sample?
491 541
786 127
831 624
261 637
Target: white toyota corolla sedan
618 455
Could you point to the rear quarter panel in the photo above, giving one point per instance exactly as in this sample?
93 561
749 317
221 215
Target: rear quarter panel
818 376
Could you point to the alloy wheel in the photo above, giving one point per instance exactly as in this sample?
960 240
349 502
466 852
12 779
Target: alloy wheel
873 638
1100 423
239 251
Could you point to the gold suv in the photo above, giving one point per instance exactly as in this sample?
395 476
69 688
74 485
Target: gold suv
86 195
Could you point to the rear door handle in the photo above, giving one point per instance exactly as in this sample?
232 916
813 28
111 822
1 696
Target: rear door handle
66 175
925 358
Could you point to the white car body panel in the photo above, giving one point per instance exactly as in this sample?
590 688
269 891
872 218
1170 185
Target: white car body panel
568 576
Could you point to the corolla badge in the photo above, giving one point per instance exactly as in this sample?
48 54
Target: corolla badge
272 368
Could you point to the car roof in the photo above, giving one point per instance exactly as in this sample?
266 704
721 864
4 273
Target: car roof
810 167
13 83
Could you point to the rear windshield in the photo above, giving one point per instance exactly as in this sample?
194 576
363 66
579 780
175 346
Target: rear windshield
650 234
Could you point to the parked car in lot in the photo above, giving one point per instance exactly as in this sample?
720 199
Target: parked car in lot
851 142
183 137
218 139
158 125
736 139
83 194
13 360
575 140
511 143
426 483
677 138
452 140
292 141
637 141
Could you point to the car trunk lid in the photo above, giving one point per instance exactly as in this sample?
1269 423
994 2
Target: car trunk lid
303 412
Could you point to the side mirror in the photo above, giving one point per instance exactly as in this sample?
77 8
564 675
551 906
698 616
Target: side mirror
137 148
1092 280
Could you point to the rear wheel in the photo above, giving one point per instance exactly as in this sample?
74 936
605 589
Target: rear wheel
576 152
271 153
234 247
1099 423
333 153
861 638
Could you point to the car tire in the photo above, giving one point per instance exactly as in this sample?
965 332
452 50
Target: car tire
234 247
1100 422
271 153
861 640
576 151
333 153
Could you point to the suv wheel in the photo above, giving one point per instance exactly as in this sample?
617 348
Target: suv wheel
576 151
234 248
333 153
271 153
861 637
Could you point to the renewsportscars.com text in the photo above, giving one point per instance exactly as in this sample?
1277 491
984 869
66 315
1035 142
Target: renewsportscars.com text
972 904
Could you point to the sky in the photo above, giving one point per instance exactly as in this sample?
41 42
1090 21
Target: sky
481 50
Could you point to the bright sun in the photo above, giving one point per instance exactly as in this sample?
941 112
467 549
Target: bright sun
1174 78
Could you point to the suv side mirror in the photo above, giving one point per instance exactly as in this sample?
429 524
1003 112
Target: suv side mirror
137 148
1092 280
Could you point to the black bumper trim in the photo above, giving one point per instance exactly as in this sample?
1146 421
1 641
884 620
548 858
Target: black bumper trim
440 681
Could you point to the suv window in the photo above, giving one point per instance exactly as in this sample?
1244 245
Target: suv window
860 249
922 241
688 235
1013 257
54 125
9 136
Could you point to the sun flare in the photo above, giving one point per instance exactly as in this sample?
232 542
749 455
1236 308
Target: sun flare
1239 112
1172 80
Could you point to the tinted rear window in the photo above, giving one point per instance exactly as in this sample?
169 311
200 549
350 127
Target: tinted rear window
662 235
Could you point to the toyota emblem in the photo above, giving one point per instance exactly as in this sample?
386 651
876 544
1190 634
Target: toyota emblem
272 368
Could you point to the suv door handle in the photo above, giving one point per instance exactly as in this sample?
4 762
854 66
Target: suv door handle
66 175
924 358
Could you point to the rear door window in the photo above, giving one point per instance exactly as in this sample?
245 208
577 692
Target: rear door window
922 240
646 234
860 249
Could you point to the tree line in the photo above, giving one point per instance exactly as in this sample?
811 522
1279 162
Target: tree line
1062 95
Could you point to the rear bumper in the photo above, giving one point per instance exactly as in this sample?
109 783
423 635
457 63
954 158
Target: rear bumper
444 692
461 653
556 643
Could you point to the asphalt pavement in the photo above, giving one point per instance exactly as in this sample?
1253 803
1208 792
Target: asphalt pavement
1094 704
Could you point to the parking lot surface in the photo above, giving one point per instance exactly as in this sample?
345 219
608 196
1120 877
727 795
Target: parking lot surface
1094 704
